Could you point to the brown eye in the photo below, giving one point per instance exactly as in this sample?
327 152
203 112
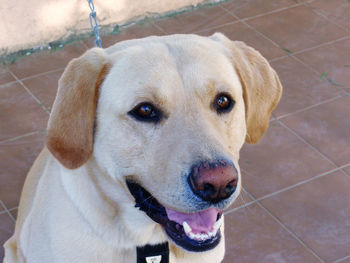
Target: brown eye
146 112
223 103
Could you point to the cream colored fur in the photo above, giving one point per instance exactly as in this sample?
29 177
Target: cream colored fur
75 206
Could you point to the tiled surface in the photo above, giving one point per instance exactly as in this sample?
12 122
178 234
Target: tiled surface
46 60
332 60
252 236
296 208
6 229
242 32
16 157
318 213
302 87
278 161
249 8
44 87
327 128
19 112
336 10
347 170
242 200
5 76
14 212
196 21
297 28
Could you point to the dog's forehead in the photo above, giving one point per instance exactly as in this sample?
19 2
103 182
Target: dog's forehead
169 67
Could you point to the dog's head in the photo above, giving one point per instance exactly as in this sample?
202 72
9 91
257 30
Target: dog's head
167 117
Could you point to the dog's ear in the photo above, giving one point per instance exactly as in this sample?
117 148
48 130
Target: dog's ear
261 86
70 128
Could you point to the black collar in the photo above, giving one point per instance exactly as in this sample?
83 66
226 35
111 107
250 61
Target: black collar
153 253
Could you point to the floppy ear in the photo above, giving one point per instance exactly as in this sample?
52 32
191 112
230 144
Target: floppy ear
70 128
262 88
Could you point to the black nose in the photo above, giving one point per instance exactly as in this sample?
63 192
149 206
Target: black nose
214 181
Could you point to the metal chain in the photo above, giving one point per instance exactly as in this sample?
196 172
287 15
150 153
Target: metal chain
94 24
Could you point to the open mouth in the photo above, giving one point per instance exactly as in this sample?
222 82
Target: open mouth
192 231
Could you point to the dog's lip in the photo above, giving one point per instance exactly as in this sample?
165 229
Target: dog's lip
157 212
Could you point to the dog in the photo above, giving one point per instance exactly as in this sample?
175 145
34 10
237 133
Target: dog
142 152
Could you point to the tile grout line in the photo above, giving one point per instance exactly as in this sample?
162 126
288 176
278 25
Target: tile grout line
291 232
7 211
302 182
314 148
2 205
251 27
13 208
4 85
308 107
307 65
277 45
10 210
241 206
30 93
29 77
315 11
342 259
286 228
154 23
217 26
270 12
347 173
158 27
21 136
310 48
308 143
41 74
255 200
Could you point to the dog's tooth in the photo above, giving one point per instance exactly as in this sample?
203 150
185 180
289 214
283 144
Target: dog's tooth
212 233
217 224
191 235
196 237
204 236
186 227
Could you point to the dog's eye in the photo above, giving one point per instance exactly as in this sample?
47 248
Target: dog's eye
223 103
145 111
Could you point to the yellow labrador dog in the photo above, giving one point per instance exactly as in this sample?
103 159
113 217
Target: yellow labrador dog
142 152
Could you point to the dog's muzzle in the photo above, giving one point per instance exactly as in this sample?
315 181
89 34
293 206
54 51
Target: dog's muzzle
197 231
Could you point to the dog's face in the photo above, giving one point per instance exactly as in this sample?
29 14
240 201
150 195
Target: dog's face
172 114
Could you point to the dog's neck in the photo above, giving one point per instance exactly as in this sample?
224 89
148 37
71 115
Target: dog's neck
108 209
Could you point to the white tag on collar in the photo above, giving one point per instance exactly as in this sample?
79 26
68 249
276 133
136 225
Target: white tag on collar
158 253
154 259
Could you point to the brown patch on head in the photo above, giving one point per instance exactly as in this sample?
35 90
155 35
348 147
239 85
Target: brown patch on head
261 86
70 128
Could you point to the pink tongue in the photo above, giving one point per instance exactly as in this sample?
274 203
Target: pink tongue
202 221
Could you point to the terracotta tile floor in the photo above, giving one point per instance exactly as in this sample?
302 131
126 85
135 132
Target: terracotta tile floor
296 204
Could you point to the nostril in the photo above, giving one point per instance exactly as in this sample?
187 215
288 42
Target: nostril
230 188
209 187
208 191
